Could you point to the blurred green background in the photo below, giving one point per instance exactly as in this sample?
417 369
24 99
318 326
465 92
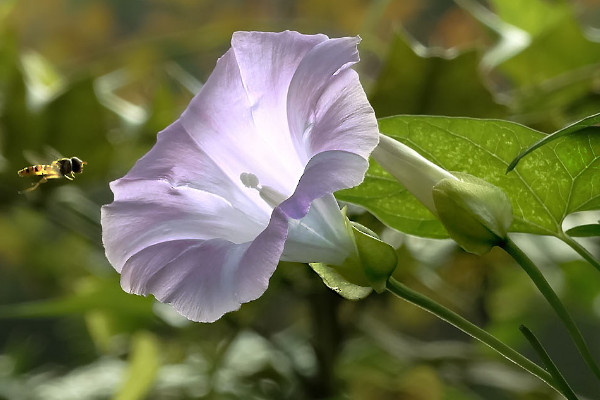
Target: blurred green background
98 79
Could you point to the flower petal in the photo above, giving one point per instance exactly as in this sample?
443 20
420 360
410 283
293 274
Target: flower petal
320 235
220 120
148 212
344 119
325 173
178 159
319 91
267 63
205 279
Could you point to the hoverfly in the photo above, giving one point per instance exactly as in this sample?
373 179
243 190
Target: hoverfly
63 167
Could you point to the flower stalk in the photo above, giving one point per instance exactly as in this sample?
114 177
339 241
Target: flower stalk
544 287
550 366
424 302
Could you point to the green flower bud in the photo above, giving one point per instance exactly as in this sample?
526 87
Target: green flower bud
475 213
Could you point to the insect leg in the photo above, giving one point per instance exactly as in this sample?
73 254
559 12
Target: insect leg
35 186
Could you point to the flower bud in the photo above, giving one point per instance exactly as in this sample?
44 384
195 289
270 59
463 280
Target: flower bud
416 173
475 213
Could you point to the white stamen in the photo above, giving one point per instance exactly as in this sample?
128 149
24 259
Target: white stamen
270 195
249 180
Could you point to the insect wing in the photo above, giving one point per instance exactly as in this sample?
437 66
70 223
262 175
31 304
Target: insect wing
34 158
51 153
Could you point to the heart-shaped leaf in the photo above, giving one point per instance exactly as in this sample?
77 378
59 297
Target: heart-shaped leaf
560 178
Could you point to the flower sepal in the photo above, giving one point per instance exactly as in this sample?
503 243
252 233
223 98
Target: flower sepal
476 214
370 266
378 259
339 284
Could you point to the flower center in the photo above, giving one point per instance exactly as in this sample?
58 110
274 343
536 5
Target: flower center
271 196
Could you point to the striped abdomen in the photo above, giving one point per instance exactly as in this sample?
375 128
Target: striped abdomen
37 170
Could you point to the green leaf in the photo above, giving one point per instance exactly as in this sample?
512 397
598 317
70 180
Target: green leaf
533 16
336 282
431 83
557 46
589 230
143 367
586 123
560 178
43 80
556 71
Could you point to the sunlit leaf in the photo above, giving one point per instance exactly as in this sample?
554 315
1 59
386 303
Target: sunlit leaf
558 179
534 16
557 71
431 83
107 87
511 39
590 122
43 81
558 45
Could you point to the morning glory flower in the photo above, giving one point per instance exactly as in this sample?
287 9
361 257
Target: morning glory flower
245 177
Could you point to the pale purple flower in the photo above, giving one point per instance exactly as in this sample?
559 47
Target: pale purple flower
244 178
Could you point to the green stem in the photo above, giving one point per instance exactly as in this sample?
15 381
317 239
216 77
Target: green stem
416 298
550 366
582 251
544 287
